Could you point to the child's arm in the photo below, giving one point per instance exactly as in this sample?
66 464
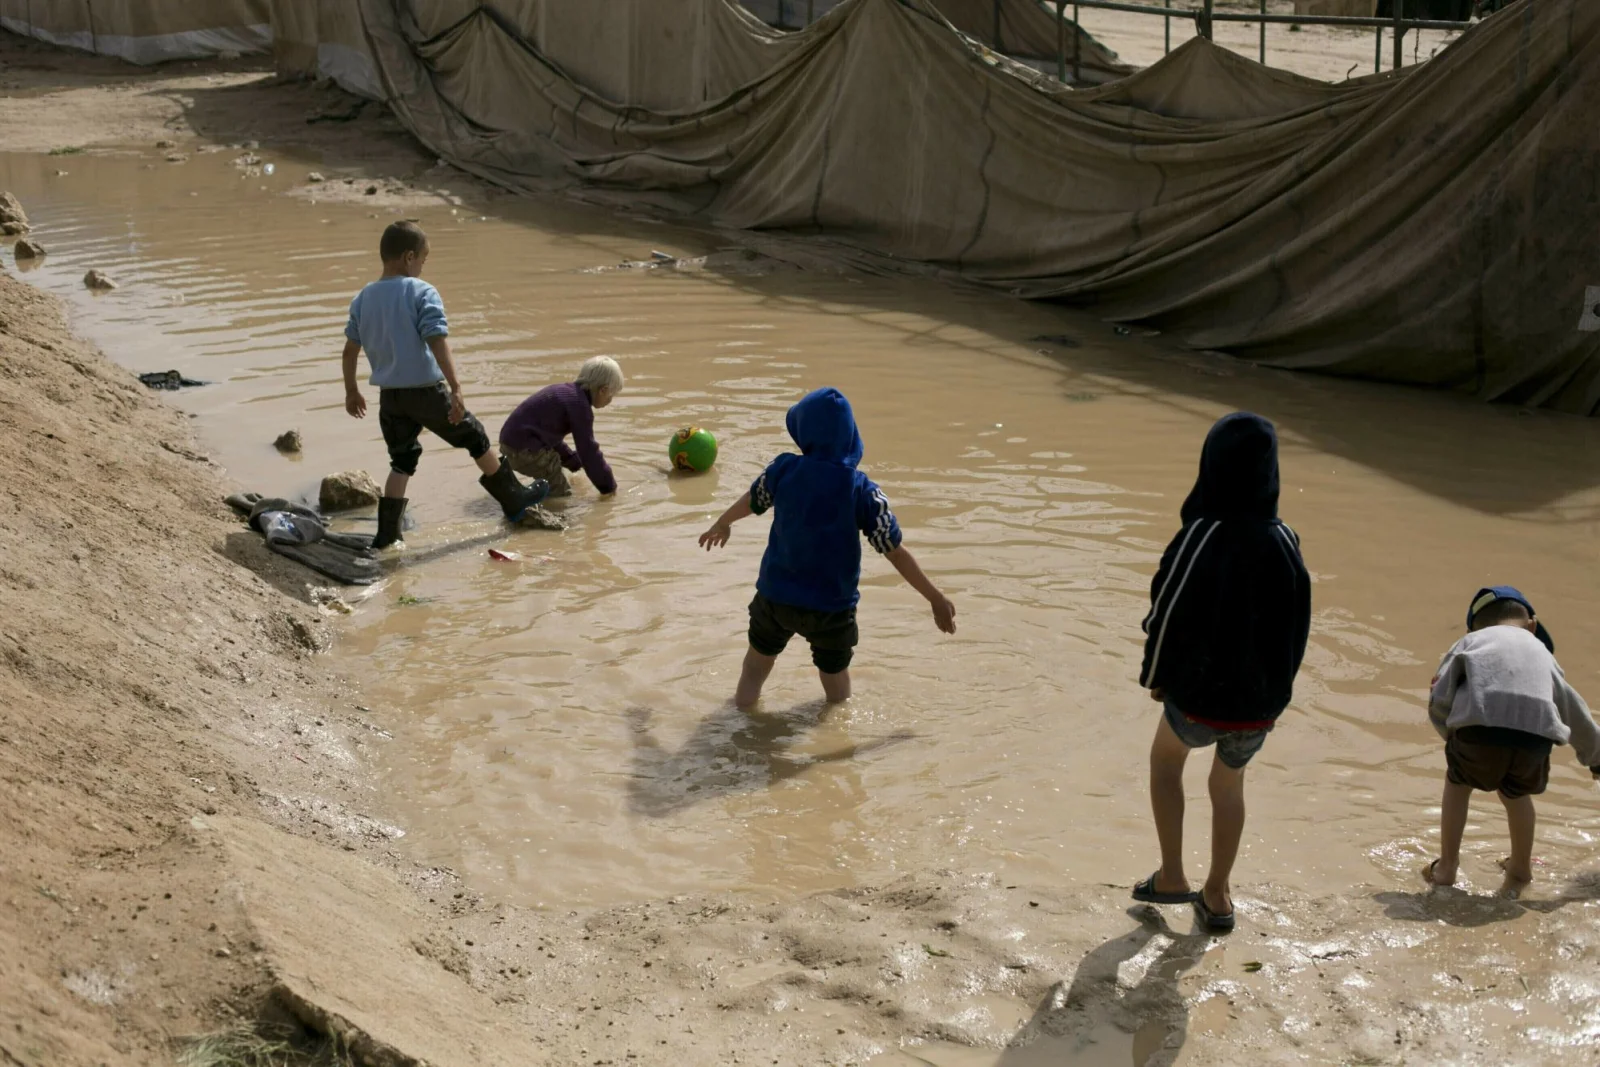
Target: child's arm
1442 696
440 347
722 529
1574 712
354 402
944 612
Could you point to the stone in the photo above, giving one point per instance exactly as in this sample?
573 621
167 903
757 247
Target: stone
27 249
13 220
99 281
372 190
348 489
288 441
315 178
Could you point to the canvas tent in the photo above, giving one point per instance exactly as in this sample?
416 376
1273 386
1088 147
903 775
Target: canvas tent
1433 226
322 38
144 31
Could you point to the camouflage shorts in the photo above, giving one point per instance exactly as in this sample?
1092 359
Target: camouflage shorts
545 463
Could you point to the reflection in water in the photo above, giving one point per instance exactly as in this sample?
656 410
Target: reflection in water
1037 479
731 751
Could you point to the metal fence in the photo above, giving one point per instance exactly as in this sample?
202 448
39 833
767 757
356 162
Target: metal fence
1206 16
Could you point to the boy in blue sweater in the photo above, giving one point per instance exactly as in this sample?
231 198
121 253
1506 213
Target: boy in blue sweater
399 320
811 573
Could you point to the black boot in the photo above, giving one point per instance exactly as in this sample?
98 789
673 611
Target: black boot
391 509
513 497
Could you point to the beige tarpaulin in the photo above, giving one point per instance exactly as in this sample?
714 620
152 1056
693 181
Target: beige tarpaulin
323 38
1435 226
144 31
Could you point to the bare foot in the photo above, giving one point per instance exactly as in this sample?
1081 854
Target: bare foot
1515 881
1436 875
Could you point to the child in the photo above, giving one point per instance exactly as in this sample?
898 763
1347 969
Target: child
533 438
399 320
1500 702
1230 610
810 575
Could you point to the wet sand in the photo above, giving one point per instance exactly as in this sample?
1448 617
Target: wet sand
560 732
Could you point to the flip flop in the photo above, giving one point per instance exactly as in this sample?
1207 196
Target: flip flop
1147 893
1214 923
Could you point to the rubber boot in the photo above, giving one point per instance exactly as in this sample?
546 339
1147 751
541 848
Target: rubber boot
391 509
513 497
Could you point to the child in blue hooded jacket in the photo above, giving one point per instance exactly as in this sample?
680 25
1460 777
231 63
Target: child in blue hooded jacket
811 573
1230 611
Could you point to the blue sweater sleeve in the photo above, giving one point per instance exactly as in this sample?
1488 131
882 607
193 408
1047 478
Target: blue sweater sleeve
352 326
431 321
876 522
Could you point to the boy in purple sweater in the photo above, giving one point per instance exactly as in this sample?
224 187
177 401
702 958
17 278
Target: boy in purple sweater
533 438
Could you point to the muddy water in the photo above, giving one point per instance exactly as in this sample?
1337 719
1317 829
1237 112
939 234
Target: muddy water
561 728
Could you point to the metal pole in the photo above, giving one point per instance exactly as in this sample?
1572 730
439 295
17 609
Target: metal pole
996 37
1399 33
1168 20
811 11
1263 34
1377 56
1077 45
1061 40
1205 21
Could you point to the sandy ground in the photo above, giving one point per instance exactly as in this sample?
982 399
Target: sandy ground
193 841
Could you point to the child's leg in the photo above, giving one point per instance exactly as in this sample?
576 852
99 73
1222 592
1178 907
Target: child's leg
489 462
1168 754
395 486
754 675
1521 817
836 686
1227 828
1452 825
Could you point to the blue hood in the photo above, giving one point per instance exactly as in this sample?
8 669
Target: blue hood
824 427
1238 471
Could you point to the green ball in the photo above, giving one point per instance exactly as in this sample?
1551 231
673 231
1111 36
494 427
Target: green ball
692 449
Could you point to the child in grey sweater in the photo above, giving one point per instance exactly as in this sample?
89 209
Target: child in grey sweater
1501 702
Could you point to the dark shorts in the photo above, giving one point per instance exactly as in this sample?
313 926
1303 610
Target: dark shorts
832 634
1510 762
404 413
1235 748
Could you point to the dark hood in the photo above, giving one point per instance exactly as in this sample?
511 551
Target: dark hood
1238 471
824 427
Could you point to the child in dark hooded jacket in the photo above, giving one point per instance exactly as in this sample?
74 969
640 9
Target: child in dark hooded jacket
810 576
1230 611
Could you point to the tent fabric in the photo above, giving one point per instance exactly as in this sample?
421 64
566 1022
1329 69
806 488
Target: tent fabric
323 39
144 31
1027 29
1433 226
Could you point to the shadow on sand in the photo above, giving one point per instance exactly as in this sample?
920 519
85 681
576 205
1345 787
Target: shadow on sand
1123 999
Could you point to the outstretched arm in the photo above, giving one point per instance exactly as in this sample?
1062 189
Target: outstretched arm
944 612
722 529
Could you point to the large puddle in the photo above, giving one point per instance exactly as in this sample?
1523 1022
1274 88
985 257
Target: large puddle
561 728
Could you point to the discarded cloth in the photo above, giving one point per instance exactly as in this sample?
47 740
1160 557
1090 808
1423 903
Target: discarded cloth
297 532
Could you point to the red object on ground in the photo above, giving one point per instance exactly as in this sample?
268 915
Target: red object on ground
505 557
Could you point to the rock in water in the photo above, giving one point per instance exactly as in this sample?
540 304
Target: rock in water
27 249
13 220
315 178
288 441
348 489
99 282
